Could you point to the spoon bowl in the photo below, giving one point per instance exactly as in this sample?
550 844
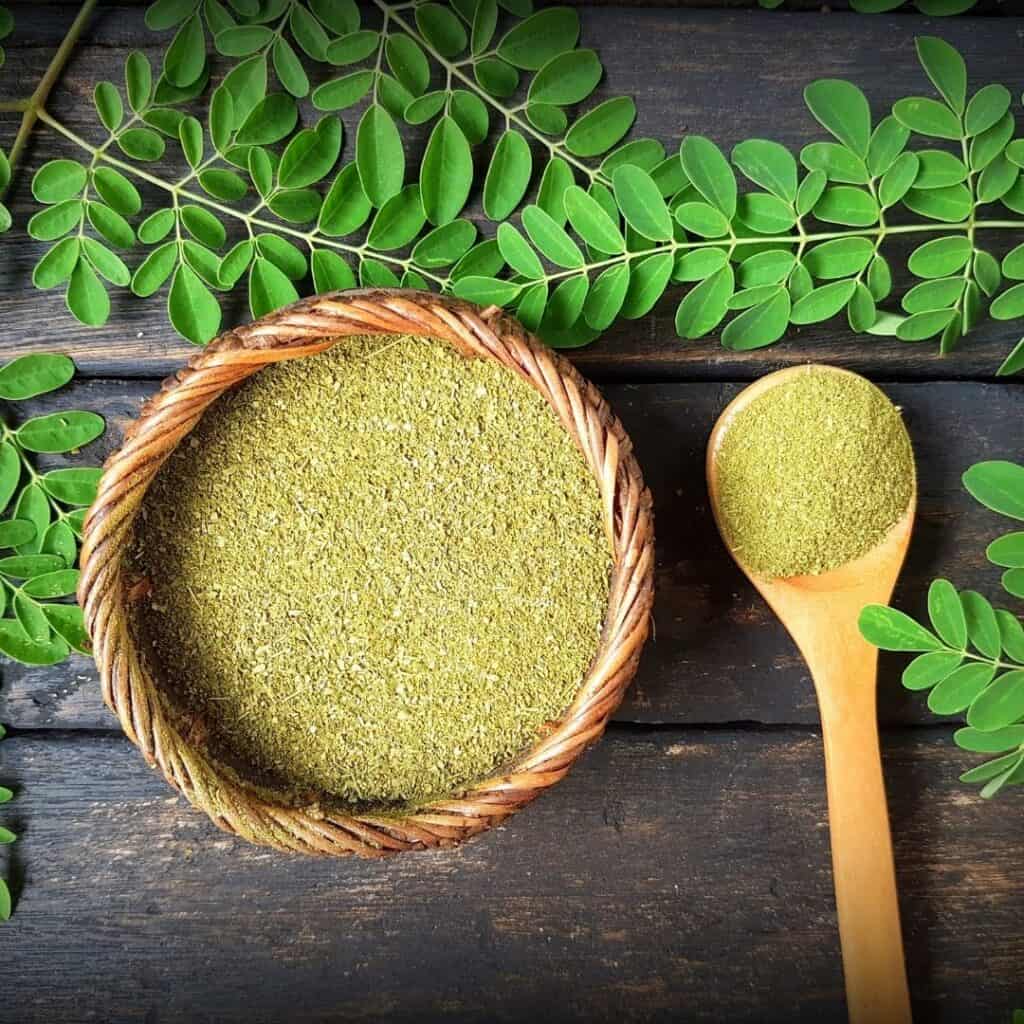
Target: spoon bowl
820 612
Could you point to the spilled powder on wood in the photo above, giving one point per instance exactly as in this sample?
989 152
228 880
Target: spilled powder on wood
377 572
813 474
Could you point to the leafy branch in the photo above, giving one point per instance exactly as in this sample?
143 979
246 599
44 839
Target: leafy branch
972 658
42 528
588 227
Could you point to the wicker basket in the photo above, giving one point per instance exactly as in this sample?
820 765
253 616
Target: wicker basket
305 328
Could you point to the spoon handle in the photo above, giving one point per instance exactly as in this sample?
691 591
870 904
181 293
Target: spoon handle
845 675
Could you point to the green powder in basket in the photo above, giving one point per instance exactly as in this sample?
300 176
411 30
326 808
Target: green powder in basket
378 573
812 474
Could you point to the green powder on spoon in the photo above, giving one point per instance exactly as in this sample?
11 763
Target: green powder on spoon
812 474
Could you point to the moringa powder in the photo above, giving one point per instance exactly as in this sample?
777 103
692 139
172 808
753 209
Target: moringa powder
376 573
812 474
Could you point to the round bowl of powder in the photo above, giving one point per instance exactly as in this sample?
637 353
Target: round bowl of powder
814 467
369 574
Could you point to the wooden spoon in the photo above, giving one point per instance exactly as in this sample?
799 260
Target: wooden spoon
820 613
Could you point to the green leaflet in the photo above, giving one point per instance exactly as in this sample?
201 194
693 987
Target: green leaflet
601 128
710 173
380 158
566 79
769 165
398 221
641 203
762 324
592 223
704 307
447 172
843 110
551 239
544 35
193 309
508 177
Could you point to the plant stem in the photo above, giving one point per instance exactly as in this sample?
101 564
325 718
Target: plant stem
314 238
455 70
37 101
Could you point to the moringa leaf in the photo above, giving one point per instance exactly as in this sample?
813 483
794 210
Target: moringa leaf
445 245
496 77
590 221
822 303
920 326
998 485
888 141
398 221
341 93
471 114
705 305
947 614
1014 362
86 297
760 325
539 38
926 670
999 705
446 175
836 162
987 107
641 203
380 157
330 271
956 692
892 630
59 431
839 257
601 128
897 181
648 279
441 29
551 239
269 288
842 109
606 296
710 173
311 154
566 79
58 180
927 117
946 68
508 176
769 165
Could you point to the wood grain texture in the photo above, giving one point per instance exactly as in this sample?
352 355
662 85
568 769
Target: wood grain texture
689 880
728 74
717 655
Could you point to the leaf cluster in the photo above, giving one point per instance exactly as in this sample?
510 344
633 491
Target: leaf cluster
41 516
972 658
582 225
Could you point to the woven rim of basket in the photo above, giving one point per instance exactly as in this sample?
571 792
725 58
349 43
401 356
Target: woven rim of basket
308 327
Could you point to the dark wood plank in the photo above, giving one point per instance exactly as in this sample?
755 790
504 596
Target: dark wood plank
717 656
728 74
674 875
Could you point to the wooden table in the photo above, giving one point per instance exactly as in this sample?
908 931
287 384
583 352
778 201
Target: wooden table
682 871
